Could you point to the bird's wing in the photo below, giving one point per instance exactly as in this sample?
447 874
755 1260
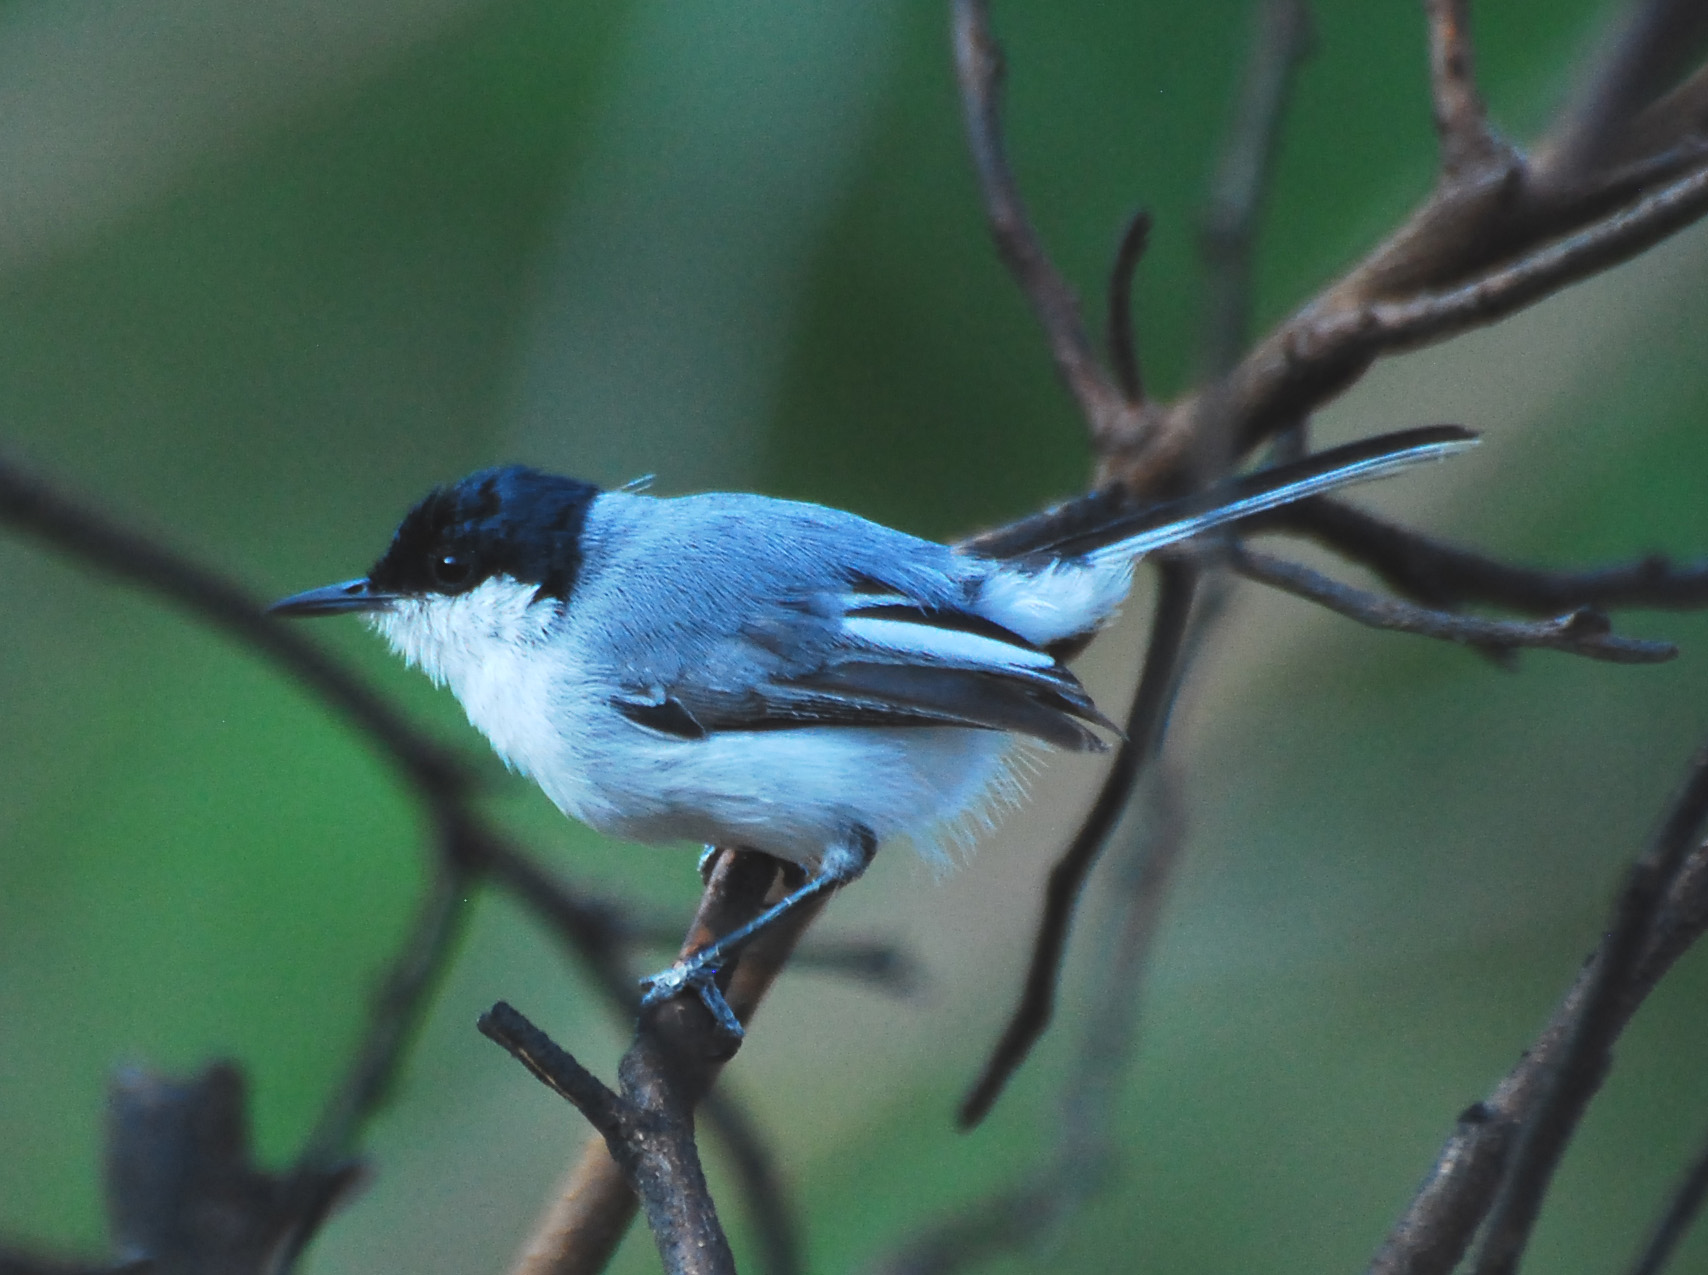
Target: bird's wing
876 657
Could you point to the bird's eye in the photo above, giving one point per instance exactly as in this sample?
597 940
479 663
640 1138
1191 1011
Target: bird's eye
451 570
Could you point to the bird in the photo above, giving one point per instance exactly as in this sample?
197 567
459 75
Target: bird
739 670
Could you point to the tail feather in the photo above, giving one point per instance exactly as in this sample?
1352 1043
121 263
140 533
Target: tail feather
1103 527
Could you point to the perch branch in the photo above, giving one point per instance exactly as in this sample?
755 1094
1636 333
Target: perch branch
469 848
592 1211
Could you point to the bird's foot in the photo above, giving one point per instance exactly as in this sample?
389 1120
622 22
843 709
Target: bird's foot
699 975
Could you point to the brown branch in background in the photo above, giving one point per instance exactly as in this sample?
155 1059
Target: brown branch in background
1383 327
1084 1160
1544 1094
1443 575
1176 590
29 505
1496 234
1675 1223
394 1014
978 67
1655 39
1581 632
1282 40
1586 1054
1123 342
1461 120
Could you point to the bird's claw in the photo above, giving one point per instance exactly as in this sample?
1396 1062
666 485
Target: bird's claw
701 977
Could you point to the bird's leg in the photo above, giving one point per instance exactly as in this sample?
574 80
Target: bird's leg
700 970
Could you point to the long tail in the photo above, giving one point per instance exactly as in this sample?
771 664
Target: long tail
1098 528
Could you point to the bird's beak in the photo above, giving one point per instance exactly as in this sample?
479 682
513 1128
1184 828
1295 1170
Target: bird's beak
334 599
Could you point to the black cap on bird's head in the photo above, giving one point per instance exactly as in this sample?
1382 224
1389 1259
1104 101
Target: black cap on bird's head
510 521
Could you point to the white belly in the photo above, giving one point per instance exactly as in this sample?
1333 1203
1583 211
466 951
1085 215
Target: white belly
791 793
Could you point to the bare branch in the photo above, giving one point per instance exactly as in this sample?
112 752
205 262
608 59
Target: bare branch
1446 576
1574 1076
1673 125
1438 1227
1460 118
1383 327
557 1069
596 1204
1082 1163
1281 41
468 847
394 1015
648 1131
1123 344
1655 37
1178 586
1583 632
978 65
27 504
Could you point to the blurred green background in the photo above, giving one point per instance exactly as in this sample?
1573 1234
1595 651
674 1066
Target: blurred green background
268 272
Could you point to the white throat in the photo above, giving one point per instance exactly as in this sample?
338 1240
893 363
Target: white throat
486 645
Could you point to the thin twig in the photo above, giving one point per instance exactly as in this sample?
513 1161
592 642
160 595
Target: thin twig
1387 326
29 505
1281 41
1443 575
1437 1228
1676 1222
1028 1213
1177 587
1583 1063
648 1130
555 1068
1583 632
978 66
1476 252
394 1015
1460 117
1123 343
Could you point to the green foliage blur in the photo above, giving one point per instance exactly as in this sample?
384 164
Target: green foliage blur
269 272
